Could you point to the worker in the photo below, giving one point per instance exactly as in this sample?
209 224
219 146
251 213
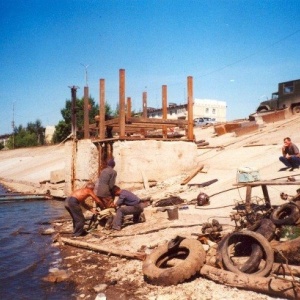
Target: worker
290 154
127 203
105 183
72 205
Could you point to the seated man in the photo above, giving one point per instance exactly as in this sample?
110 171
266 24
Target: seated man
127 204
290 154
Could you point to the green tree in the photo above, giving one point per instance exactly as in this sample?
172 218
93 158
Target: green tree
64 128
32 135
38 130
1 145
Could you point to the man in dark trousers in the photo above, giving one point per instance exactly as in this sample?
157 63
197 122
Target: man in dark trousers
290 154
127 204
72 205
105 183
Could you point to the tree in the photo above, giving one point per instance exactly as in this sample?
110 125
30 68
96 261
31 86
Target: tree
32 135
38 130
64 128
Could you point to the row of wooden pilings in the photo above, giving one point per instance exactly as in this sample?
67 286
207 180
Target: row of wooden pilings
104 143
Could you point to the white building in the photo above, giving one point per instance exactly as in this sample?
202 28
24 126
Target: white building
49 132
210 108
201 108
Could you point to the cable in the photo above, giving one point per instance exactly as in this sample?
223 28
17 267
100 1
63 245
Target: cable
250 55
214 207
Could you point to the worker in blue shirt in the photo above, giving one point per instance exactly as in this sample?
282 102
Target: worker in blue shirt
127 203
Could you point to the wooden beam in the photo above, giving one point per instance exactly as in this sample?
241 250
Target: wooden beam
190 129
156 121
164 108
128 108
145 105
274 182
86 113
99 248
102 109
185 181
122 102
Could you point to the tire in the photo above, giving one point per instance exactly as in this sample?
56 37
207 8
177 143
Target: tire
189 254
286 214
267 229
296 110
254 239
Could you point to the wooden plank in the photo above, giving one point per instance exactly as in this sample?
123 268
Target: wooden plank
276 287
185 181
155 121
108 250
257 183
112 122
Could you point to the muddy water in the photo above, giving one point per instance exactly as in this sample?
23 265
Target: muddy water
25 255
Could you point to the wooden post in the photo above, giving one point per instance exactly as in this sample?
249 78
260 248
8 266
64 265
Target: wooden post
144 104
102 109
128 110
73 112
164 109
190 133
100 151
122 103
86 113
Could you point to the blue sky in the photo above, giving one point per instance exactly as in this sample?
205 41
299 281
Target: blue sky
236 51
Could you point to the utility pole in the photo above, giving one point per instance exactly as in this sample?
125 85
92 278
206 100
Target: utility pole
86 74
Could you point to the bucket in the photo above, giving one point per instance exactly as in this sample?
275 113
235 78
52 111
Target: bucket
172 213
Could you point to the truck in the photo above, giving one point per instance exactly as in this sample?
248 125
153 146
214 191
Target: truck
287 96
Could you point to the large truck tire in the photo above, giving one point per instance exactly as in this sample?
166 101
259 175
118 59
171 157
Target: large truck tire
245 240
190 256
286 214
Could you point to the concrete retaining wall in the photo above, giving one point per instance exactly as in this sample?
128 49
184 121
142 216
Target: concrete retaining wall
84 155
136 162
152 160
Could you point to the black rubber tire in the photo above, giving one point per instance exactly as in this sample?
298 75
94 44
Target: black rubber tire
267 229
192 256
296 110
286 214
257 239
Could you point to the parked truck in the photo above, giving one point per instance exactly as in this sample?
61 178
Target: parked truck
287 96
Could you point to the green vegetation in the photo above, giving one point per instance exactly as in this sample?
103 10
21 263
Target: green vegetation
34 133
31 135
64 128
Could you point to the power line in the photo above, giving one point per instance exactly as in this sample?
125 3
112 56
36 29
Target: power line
250 55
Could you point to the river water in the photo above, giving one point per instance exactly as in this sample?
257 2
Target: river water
25 254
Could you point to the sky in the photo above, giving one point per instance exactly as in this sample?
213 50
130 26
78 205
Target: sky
236 51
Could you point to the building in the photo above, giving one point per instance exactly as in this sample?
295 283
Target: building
210 108
49 132
202 108
4 138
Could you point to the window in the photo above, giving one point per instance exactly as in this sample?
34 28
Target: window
213 111
288 87
207 110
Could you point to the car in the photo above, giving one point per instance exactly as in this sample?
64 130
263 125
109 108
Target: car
204 121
